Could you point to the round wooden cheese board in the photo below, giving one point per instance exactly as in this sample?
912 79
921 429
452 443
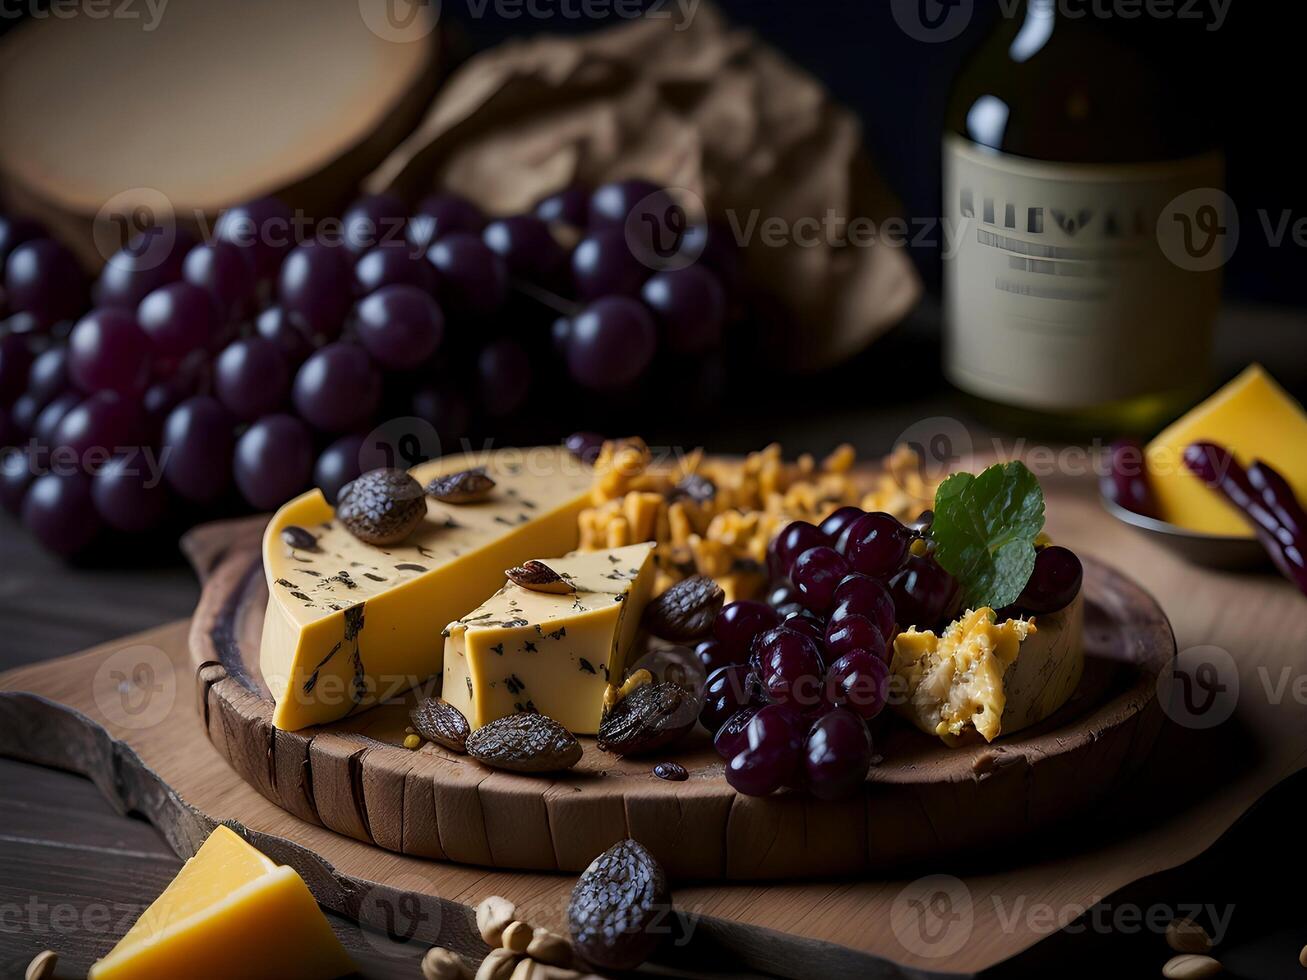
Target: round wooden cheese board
922 801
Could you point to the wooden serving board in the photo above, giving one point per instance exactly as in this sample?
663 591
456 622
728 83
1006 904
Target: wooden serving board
437 804
89 713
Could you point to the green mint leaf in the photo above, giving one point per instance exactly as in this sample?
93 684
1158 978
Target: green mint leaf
984 531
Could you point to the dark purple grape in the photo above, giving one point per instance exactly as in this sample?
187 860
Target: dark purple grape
20 323
17 422
439 215
782 592
162 396
604 265
527 246
41 277
611 344
15 365
690 307
923 522
108 351
47 421
795 538
739 622
338 465
837 522
816 574
732 737
274 461
855 632
1053 584
791 668
569 206
585 446
1126 480
151 259
445 408
197 446
471 280
98 426
712 655
504 378
611 204
372 220
251 378
18 468
859 680
836 755
804 621
316 285
178 318
713 245
129 492
338 388
14 231
48 375
59 512
862 595
287 331
559 332
226 273
875 544
401 326
393 264
925 595
727 690
772 757
264 229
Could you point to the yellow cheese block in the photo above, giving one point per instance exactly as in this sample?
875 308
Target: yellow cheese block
1254 418
534 651
230 912
988 678
349 624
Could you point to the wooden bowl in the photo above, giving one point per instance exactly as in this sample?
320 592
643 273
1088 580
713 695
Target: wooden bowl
924 800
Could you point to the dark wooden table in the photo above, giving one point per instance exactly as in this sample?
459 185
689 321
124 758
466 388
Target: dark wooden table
73 873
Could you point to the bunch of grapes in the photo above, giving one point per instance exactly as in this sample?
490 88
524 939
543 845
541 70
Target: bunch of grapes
794 682
209 377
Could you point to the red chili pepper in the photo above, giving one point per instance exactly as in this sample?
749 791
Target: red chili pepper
1266 501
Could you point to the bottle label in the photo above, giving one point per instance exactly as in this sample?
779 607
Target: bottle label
1068 285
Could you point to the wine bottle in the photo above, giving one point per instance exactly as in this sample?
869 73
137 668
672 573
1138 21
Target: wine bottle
1085 219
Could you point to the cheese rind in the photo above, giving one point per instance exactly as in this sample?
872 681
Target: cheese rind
522 650
349 624
1254 418
230 912
981 677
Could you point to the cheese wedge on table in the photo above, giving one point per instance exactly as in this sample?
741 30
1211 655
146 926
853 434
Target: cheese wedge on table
1254 418
230 912
981 677
349 624
523 650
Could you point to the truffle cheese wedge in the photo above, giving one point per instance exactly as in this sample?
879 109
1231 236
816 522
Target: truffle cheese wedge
548 651
982 677
349 624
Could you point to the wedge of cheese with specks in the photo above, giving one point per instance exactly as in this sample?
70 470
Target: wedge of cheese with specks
981 677
522 650
230 912
349 624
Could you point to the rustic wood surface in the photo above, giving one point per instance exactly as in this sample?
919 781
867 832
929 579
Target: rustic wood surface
355 776
1166 818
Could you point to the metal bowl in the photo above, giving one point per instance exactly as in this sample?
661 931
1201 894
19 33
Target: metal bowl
1224 551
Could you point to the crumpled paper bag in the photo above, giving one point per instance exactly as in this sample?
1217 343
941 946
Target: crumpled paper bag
703 107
